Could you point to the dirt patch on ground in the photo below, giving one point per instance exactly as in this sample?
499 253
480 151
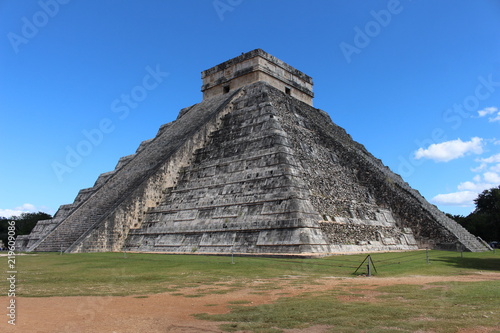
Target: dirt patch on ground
171 312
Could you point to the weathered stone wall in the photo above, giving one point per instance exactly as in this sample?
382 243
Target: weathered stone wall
239 193
247 191
346 181
253 171
109 197
192 131
254 66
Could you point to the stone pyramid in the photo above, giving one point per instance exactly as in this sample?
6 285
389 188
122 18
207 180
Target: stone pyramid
253 168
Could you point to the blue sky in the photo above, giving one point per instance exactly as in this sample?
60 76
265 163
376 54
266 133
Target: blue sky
416 82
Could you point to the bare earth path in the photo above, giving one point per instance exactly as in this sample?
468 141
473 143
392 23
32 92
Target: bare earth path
173 313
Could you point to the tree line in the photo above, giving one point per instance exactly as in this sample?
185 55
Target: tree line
24 224
484 221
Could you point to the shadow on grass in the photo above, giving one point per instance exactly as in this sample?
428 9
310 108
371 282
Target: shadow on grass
487 264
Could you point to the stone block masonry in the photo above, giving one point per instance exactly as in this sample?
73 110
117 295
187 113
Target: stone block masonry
255 169
254 66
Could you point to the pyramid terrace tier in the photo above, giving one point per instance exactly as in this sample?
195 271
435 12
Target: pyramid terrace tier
254 170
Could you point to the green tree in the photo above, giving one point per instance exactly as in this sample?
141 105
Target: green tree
485 220
27 221
488 202
24 224
488 211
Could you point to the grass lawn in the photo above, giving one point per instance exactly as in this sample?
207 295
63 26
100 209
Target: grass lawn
446 307
52 274
433 307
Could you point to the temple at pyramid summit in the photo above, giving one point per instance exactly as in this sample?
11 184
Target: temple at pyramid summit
253 168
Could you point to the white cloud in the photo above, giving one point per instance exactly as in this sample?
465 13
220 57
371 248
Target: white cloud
480 168
475 187
488 175
462 198
24 208
487 111
492 177
492 159
469 186
492 110
468 191
494 119
10 212
27 207
450 150
495 168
